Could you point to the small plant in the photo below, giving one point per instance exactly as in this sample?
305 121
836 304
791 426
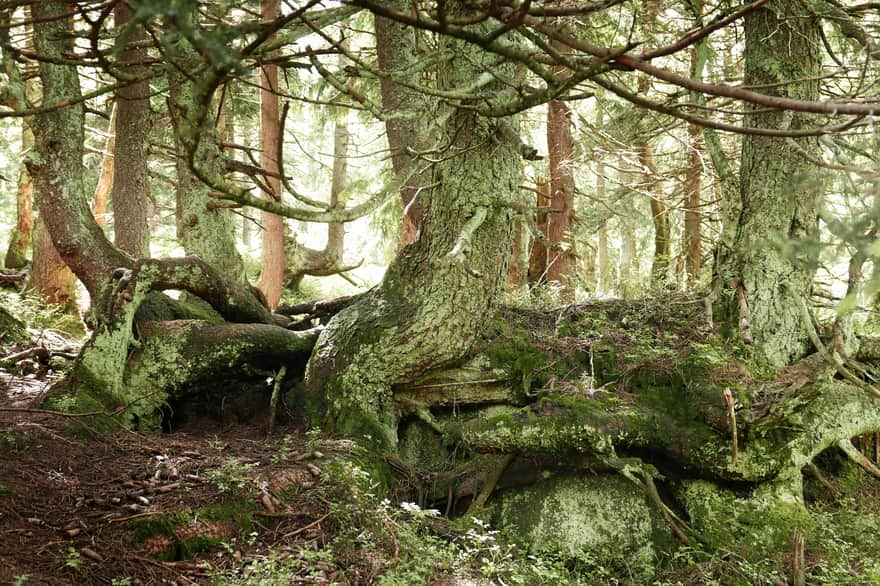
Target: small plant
312 437
285 447
20 579
74 559
121 582
233 476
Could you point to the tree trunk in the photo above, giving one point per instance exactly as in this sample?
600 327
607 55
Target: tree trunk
538 254
397 49
274 265
105 178
437 293
561 147
49 275
692 237
764 283
203 227
57 167
659 214
20 239
131 187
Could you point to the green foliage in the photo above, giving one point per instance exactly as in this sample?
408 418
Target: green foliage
234 476
74 558
31 311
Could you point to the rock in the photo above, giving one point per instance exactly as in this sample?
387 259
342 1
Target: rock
600 520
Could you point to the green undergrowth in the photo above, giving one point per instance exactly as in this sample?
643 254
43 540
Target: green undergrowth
32 312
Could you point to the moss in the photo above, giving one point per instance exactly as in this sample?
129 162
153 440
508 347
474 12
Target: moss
5 491
762 521
593 520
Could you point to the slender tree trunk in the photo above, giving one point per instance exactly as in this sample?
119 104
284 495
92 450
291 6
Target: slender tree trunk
274 264
764 284
336 230
603 267
691 241
561 149
659 214
105 178
629 260
538 254
131 187
397 48
20 239
517 269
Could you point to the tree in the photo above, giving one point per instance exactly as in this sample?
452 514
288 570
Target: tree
765 282
433 301
631 390
131 189
274 259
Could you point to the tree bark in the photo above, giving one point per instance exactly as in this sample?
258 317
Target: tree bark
57 165
396 49
131 187
763 283
692 237
203 228
20 239
437 293
559 223
49 276
538 254
101 198
274 264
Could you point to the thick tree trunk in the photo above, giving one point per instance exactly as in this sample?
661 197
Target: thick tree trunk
203 227
764 283
49 276
272 273
131 188
57 167
397 48
437 293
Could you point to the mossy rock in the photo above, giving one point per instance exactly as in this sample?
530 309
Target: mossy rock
762 520
593 520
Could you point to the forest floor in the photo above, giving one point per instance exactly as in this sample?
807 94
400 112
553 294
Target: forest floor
76 504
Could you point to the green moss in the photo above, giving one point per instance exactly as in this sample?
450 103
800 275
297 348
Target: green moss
5 491
591 520
757 524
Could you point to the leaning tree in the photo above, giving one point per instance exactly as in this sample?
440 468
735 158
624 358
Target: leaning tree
715 402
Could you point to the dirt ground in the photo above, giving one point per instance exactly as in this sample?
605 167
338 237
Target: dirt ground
74 502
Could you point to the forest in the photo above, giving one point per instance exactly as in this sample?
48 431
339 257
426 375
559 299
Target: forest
439 292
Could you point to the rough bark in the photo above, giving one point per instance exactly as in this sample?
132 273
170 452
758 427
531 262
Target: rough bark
20 239
779 191
49 276
560 146
396 49
101 198
131 188
538 254
57 163
272 272
437 293
203 228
